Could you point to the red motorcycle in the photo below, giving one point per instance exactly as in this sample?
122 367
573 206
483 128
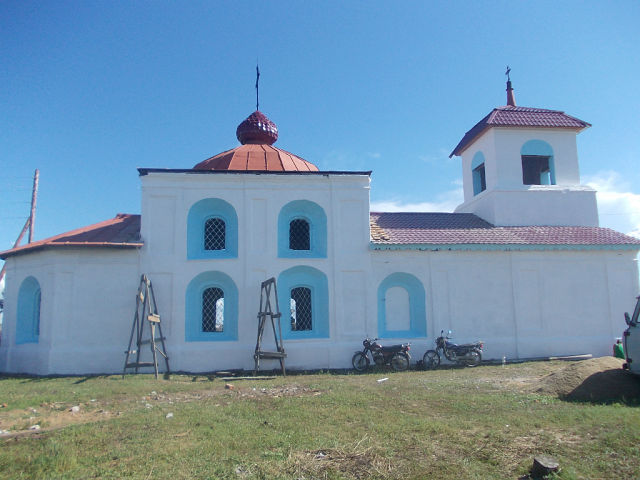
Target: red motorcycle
395 355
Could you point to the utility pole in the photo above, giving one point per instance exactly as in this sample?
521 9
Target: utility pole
34 200
30 221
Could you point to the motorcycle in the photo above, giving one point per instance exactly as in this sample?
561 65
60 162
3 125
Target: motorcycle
395 355
468 354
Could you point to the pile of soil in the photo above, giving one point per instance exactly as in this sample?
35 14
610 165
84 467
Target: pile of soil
596 379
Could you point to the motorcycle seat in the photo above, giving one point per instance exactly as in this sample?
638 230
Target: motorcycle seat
394 348
463 345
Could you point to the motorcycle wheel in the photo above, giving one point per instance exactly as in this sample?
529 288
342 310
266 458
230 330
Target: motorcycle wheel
476 358
360 362
431 359
400 362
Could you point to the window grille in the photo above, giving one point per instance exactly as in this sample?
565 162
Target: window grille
214 234
213 310
301 317
299 235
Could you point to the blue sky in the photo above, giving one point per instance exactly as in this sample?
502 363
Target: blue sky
91 90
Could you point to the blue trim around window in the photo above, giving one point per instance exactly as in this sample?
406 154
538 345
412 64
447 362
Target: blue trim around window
478 159
193 308
28 319
199 213
317 219
543 149
417 309
316 281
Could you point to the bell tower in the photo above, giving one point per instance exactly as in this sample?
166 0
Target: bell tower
520 167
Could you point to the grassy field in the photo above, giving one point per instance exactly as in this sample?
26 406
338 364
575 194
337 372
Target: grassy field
476 423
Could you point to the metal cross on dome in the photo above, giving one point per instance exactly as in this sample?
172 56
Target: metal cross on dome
506 73
257 79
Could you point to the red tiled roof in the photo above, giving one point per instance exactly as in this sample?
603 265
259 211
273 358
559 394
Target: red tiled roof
123 231
512 116
252 157
468 229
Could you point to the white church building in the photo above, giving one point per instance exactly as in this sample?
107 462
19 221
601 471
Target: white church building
521 264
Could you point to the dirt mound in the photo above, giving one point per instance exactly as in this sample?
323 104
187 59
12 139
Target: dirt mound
596 379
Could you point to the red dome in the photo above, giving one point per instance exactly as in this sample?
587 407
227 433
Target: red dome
257 157
257 134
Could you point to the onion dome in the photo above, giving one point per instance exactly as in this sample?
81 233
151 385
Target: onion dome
257 134
257 129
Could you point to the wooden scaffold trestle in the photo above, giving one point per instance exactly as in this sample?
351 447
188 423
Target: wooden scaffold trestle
146 313
266 312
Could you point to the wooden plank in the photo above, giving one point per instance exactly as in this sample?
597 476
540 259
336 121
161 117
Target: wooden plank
154 318
140 364
271 354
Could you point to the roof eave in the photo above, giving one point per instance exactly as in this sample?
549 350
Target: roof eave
500 246
464 145
142 171
27 249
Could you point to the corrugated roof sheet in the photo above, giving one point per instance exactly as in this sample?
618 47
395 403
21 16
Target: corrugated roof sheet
123 231
254 157
403 228
513 116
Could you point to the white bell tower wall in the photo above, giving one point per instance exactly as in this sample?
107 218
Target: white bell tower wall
506 200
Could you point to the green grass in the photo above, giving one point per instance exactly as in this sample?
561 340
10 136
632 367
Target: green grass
450 423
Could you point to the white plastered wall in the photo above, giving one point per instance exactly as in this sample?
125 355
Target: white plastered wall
87 307
506 201
258 199
522 304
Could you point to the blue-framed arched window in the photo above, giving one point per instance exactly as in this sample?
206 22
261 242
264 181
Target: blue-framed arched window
28 320
212 230
302 230
538 166
211 308
478 173
303 298
401 307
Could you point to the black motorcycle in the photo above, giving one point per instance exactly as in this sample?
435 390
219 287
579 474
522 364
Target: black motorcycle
468 354
395 355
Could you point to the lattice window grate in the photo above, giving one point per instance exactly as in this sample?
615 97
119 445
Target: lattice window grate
301 316
299 235
214 234
213 310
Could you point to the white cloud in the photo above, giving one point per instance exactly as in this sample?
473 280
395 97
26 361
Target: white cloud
619 208
444 202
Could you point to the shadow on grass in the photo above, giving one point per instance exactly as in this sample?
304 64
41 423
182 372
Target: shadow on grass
606 387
